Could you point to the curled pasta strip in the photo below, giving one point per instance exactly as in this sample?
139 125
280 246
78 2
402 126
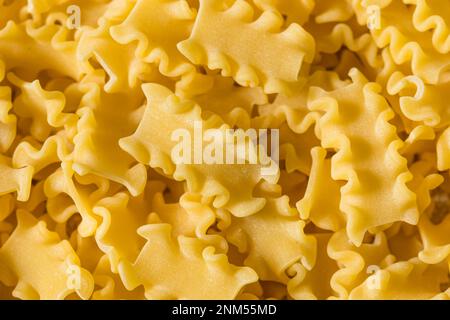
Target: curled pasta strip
356 263
233 104
322 208
404 280
157 26
433 15
406 44
96 144
121 216
295 11
47 260
49 47
44 108
436 246
315 283
149 145
55 149
330 38
240 59
110 285
369 180
421 102
293 109
190 217
165 277
67 196
15 180
253 235
7 120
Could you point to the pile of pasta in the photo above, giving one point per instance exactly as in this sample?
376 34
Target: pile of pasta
93 205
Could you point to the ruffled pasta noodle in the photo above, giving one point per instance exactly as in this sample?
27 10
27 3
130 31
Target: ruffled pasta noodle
94 203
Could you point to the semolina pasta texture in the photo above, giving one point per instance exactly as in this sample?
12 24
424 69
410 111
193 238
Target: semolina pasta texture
224 149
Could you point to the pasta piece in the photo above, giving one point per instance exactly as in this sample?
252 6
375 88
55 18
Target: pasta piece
224 99
443 150
356 263
295 11
314 284
406 44
241 59
185 261
121 217
149 144
10 11
145 24
66 197
426 104
54 149
15 180
433 15
356 124
44 259
321 207
332 12
435 240
404 280
44 48
96 144
190 217
112 56
111 287
7 120
44 108
254 235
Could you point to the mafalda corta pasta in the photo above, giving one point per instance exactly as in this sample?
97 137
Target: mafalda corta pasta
136 138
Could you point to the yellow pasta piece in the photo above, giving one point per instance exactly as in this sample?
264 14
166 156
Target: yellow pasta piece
404 280
435 239
112 56
90 10
96 144
426 103
157 26
48 45
356 124
332 12
233 104
7 120
54 149
44 108
322 197
111 287
356 263
406 44
185 261
314 284
405 244
254 235
296 11
121 217
241 59
164 114
15 180
190 217
433 15
43 260
66 197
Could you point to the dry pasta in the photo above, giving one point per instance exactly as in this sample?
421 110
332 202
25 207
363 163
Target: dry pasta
224 149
